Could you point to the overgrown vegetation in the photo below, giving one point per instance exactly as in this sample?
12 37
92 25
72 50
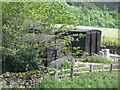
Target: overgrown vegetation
91 15
27 51
97 59
88 80
66 65
19 20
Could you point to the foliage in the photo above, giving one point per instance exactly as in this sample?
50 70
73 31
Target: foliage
19 17
16 52
97 59
98 18
66 65
88 80
20 54
90 15
24 54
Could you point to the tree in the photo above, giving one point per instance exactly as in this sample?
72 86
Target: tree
16 16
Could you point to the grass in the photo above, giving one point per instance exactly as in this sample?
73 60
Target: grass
0 86
3 86
87 80
111 35
97 59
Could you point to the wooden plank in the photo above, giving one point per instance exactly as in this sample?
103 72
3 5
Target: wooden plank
102 65
91 68
64 75
56 74
111 67
100 70
81 72
87 42
98 40
86 72
80 68
98 64
116 64
65 70
72 68
94 71
105 70
51 72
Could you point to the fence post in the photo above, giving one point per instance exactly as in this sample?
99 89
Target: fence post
56 74
91 68
72 68
111 67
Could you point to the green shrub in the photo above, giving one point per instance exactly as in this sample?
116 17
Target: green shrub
23 60
97 59
66 65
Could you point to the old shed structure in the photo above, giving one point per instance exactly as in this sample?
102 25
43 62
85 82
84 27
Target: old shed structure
90 43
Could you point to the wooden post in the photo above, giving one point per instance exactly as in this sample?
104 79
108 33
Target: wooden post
56 74
91 68
72 68
72 71
111 67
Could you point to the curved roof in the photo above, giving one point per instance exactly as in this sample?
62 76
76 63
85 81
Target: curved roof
39 37
83 30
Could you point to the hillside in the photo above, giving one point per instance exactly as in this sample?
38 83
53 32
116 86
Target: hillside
89 14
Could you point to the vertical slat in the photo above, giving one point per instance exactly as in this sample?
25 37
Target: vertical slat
93 41
111 67
56 74
90 44
48 56
87 43
91 68
72 68
98 37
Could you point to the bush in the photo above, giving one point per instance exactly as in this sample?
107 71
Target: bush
66 65
23 60
97 59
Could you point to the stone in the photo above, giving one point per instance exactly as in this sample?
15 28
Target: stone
104 52
58 62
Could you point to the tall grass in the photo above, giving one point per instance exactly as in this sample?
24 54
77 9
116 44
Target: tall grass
97 59
88 80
